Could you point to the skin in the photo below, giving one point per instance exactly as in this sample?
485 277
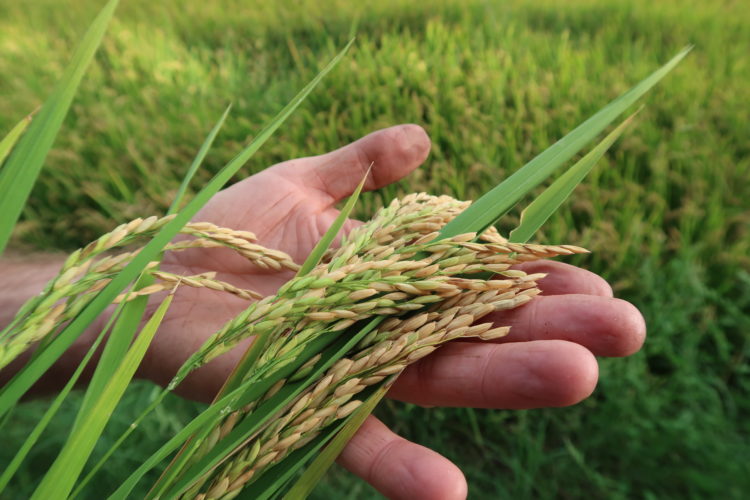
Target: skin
547 360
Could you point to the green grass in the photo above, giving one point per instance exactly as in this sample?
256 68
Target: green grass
666 212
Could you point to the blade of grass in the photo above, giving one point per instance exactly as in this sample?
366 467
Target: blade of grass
547 203
10 140
61 477
317 469
325 242
132 427
494 204
205 147
114 350
125 328
31 440
22 168
26 377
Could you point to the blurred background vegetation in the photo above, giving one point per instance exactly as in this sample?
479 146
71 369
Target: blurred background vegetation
667 213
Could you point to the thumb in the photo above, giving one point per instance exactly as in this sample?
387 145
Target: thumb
393 153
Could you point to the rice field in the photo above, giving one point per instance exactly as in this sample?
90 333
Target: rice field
666 213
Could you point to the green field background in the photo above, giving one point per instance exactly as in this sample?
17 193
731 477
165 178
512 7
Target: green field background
666 213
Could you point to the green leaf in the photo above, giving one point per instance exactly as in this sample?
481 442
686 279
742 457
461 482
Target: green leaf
132 427
116 347
31 372
317 469
61 477
175 207
31 440
491 206
547 203
122 335
22 168
6 145
325 242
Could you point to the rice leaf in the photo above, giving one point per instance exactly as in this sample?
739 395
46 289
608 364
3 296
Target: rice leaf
325 242
115 348
547 203
126 327
317 469
32 438
10 140
494 204
62 475
132 427
31 372
22 168
207 143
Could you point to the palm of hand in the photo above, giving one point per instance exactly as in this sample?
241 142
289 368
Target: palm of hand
547 360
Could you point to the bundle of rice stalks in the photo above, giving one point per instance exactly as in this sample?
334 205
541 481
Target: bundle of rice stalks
393 267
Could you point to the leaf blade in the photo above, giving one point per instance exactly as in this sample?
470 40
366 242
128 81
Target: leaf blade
539 210
10 140
325 242
492 205
62 475
197 161
26 160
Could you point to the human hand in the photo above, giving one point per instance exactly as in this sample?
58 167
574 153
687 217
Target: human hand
546 360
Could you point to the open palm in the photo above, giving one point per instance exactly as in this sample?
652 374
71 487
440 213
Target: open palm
547 360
